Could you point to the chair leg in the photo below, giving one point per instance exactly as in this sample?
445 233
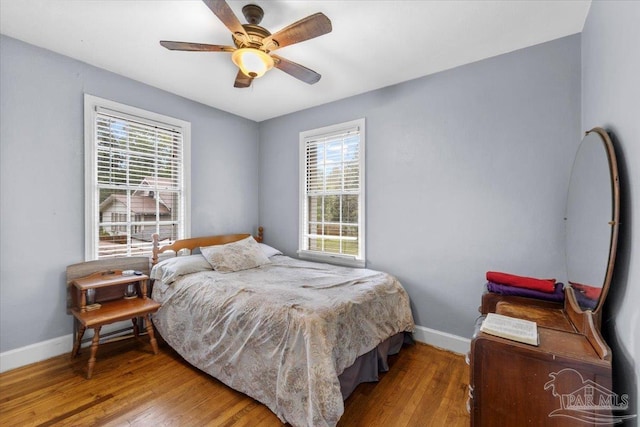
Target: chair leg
94 349
152 338
76 345
136 330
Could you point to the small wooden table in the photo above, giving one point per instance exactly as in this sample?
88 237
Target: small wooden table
109 289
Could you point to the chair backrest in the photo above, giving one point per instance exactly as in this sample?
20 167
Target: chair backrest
75 271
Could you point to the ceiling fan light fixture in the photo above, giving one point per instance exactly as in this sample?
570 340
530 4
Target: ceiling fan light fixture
252 62
252 43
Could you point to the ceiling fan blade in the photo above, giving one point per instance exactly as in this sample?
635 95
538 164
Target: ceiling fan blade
307 28
196 47
298 71
242 80
221 9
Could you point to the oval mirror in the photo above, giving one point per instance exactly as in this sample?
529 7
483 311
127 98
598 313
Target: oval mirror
592 219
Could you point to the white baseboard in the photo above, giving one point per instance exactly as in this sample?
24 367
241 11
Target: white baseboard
54 347
35 352
51 348
443 340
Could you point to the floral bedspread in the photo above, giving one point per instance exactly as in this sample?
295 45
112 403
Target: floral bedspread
282 332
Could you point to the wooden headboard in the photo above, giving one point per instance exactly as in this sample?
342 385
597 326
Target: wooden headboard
196 242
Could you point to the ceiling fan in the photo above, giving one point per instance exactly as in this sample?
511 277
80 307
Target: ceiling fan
254 44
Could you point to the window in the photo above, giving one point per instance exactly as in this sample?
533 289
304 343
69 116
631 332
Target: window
332 193
136 179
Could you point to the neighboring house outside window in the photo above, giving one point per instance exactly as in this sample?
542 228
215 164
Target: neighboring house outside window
136 172
332 194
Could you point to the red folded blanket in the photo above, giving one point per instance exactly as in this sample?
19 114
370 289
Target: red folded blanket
590 292
542 285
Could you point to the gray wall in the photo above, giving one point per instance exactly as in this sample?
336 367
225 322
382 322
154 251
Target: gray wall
42 178
467 171
611 99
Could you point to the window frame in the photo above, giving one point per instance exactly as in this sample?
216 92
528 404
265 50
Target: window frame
92 106
303 251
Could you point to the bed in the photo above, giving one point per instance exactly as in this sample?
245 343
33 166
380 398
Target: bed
295 335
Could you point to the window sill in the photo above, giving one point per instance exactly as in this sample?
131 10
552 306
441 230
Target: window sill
346 261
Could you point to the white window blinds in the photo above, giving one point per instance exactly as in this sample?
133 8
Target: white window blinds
332 192
137 182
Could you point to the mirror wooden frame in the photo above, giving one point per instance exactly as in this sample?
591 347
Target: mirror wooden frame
614 222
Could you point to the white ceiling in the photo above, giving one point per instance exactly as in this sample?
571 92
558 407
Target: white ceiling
373 43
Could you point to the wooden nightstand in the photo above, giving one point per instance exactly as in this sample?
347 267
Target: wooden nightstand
109 288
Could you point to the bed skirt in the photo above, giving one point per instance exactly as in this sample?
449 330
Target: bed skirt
366 367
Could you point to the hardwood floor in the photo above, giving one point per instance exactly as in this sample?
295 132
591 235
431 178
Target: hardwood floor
130 386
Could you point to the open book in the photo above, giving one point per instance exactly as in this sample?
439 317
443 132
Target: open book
511 328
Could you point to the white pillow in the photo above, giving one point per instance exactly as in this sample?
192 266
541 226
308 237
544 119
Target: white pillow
236 256
171 269
269 251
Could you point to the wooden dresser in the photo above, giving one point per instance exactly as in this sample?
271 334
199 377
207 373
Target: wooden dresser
515 384
566 379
